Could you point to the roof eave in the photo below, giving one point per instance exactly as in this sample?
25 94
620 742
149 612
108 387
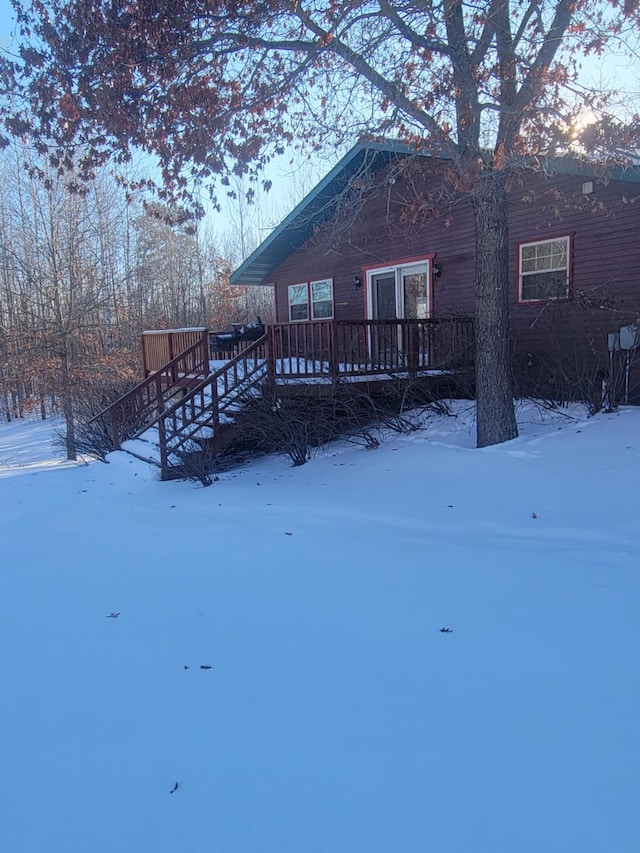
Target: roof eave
314 208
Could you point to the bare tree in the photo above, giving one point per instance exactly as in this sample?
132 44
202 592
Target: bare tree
62 312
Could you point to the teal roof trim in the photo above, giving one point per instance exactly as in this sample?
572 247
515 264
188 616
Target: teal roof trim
314 209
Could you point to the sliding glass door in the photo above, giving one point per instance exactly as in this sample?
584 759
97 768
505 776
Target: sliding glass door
397 293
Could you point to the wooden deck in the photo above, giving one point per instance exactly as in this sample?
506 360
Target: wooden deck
329 349
189 392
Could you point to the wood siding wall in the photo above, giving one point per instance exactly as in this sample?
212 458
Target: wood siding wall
605 231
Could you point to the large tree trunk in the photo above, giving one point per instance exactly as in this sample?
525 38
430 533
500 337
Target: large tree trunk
496 420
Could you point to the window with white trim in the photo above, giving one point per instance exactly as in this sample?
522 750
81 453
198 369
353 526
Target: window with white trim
321 293
311 300
544 270
298 302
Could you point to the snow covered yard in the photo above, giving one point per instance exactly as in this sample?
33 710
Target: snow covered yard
336 717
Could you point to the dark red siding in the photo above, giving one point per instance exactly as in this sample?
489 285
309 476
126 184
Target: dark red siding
605 277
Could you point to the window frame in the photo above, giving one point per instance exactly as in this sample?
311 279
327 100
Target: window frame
310 302
291 304
397 267
568 240
313 302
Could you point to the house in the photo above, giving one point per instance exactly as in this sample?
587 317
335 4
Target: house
373 277
382 238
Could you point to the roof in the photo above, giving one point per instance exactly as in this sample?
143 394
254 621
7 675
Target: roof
319 205
314 209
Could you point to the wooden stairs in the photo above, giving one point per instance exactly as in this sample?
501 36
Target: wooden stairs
182 414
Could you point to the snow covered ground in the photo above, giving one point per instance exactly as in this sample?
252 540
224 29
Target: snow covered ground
336 717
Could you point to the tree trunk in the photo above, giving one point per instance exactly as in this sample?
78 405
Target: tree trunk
496 420
67 407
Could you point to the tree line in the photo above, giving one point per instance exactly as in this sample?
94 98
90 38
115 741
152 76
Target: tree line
85 267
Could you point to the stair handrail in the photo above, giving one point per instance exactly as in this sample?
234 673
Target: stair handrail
217 374
247 380
170 371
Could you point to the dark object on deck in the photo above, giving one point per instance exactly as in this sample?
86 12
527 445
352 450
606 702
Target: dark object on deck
236 334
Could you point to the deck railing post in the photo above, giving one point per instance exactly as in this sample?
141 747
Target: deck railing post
271 354
427 343
333 352
145 362
215 407
205 352
411 336
159 393
173 376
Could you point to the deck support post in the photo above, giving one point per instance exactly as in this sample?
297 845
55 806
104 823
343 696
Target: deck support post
115 432
162 441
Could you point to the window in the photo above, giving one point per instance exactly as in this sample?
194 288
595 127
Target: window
313 299
322 299
544 270
298 302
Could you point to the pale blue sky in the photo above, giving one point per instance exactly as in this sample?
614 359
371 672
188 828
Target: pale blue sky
7 19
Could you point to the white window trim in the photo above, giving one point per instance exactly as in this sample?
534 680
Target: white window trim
291 304
397 270
313 302
522 275
310 303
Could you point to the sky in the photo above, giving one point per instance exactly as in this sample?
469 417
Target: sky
7 19
421 647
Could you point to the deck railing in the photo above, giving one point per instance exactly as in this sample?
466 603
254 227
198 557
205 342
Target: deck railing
188 402
138 408
333 348
161 347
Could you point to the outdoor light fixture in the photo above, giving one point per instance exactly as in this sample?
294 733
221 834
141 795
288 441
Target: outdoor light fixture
437 271
357 281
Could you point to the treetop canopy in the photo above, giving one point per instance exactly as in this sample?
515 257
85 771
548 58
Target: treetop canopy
217 88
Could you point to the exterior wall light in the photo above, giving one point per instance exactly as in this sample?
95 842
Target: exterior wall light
357 282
